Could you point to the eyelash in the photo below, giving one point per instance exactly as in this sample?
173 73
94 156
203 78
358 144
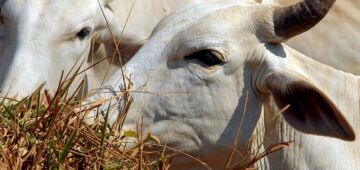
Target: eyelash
85 32
208 58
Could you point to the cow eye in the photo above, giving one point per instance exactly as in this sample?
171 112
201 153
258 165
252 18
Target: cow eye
2 20
83 33
207 57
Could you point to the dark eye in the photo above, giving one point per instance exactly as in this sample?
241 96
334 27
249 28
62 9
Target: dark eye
83 33
207 57
2 20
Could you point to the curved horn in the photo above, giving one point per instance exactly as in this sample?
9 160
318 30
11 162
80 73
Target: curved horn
295 19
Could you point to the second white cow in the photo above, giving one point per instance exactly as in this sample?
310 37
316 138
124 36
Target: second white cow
41 38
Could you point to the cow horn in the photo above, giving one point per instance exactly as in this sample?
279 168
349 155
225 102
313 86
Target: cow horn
295 19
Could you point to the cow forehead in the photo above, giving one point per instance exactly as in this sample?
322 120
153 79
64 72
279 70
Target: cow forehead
218 14
185 29
188 15
35 11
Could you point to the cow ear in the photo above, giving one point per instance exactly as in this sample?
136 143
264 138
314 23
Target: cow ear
310 111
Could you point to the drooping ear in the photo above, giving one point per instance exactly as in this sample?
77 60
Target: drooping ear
310 111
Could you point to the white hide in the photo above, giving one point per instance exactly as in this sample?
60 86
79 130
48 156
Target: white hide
40 41
23 68
38 38
198 109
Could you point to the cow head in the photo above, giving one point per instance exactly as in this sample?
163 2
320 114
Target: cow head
207 70
39 39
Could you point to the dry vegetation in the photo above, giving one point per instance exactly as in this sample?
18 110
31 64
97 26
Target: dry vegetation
46 131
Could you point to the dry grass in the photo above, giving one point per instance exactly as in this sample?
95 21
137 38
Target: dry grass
46 131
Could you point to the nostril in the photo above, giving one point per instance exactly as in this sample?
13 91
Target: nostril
111 100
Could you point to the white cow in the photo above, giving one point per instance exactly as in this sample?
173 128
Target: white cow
40 38
211 69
